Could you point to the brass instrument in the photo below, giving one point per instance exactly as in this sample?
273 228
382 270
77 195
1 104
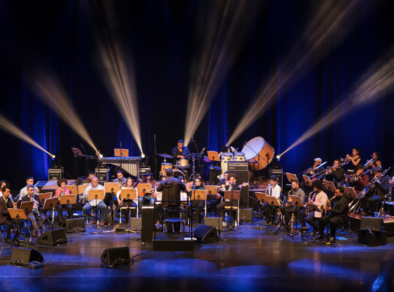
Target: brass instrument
321 174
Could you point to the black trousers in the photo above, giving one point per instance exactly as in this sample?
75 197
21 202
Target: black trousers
129 203
369 204
334 222
269 211
9 225
173 214
199 205
312 221
223 204
287 211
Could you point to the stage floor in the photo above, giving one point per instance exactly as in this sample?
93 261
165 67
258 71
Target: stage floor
249 259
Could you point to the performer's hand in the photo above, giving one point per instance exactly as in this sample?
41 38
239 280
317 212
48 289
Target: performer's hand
328 209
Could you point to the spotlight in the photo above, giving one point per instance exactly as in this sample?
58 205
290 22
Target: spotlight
101 155
142 155
278 157
53 157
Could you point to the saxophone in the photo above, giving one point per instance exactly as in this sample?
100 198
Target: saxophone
292 225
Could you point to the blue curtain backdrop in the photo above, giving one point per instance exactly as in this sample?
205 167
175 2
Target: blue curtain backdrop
162 39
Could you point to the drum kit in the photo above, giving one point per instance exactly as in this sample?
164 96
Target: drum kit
181 166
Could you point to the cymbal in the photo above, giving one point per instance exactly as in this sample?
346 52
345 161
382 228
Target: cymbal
164 155
192 155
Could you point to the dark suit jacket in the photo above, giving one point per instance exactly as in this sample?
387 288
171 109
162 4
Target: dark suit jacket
4 214
382 188
341 209
336 176
171 189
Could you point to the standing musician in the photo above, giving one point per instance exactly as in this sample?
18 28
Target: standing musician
290 209
319 199
35 212
379 189
93 203
337 215
5 219
360 180
273 190
124 202
198 204
180 151
62 190
147 178
354 159
231 186
29 182
171 191
337 175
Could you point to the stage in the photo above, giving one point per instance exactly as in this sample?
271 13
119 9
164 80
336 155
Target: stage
249 259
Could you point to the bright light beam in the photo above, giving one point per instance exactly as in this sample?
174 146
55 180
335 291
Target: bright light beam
118 79
331 18
7 126
219 52
52 93
378 80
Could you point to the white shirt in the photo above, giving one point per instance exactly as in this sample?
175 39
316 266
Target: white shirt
93 203
120 191
23 192
274 191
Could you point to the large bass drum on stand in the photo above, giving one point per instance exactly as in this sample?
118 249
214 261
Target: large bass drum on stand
259 150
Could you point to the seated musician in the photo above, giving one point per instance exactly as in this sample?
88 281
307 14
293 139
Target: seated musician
29 182
379 189
288 210
338 213
93 203
354 160
319 199
315 168
180 151
273 190
5 219
198 204
124 202
147 178
335 174
120 178
3 184
62 190
224 180
362 179
35 212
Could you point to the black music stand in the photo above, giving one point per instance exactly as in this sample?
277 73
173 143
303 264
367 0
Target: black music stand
130 194
297 203
260 197
232 195
49 205
17 214
27 207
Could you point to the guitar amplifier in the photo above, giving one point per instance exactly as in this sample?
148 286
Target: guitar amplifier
236 166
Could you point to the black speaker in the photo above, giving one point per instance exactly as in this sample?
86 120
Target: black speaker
53 237
23 256
75 223
205 234
116 256
372 238
374 224
244 200
246 214
148 218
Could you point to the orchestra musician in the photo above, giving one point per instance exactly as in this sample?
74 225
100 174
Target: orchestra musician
4 183
362 179
335 174
29 182
198 204
354 159
147 178
62 190
231 186
273 190
124 202
315 168
180 151
224 180
379 189
319 199
93 203
375 160
120 178
338 213
5 219
171 194
35 212
290 209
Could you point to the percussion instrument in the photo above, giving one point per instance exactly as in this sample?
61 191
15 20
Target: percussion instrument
226 157
258 149
239 156
183 163
178 173
128 164
164 155
164 166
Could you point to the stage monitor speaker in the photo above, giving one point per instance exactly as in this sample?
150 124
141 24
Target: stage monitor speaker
205 234
216 222
374 238
75 223
148 218
116 256
374 224
246 214
53 237
23 256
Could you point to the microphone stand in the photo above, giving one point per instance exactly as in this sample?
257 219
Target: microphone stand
154 138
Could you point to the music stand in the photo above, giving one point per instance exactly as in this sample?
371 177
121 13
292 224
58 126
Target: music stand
77 152
27 207
329 185
260 197
143 188
213 155
232 195
73 189
199 195
68 199
112 188
96 195
82 188
42 197
129 194
297 203
17 214
350 192
291 176
307 181
121 152
50 204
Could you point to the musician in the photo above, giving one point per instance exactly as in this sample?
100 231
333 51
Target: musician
319 199
198 204
120 178
93 203
362 181
23 191
288 210
273 190
35 212
354 159
62 190
3 183
337 175
315 168
338 213
171 191
224 180
231 186
375 160
147 178
180 151
124 202
5 219
379 189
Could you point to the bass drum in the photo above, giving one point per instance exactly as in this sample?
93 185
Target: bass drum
164 166
258 146
179 173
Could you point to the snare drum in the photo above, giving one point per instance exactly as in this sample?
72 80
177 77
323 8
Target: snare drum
226 157
164 166
183 163
178 173
239 156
